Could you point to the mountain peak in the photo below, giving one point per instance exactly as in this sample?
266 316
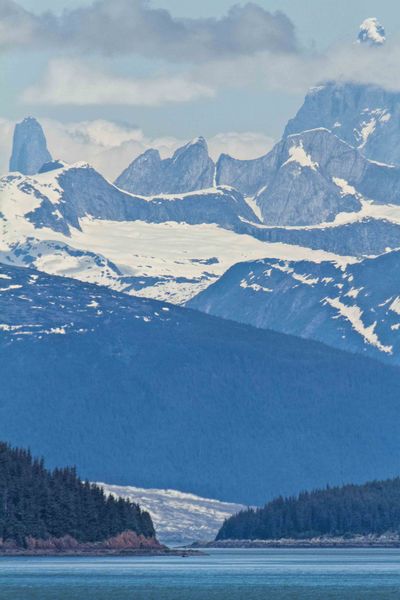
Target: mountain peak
189 169
30 151
197 144
372 32
198 141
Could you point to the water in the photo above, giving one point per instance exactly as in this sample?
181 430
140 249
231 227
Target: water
223 575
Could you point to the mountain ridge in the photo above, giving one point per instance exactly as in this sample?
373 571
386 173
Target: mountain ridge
99 365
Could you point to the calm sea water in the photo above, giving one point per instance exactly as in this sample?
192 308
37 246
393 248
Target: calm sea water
223 575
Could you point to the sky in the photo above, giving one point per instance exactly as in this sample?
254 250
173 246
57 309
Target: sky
126 74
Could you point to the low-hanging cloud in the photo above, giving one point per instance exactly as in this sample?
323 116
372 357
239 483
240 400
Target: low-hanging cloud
120 27
69 82
79 83
110 147
249 48
296 73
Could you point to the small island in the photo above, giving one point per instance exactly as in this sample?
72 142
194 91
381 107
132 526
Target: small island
45 512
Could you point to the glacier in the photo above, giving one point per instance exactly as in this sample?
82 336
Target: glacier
179 518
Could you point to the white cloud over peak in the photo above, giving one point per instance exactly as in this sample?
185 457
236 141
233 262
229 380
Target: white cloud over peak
73 82
296 73
110 147
249 48
244 146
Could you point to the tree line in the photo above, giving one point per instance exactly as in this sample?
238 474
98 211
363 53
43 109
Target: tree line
372 508
38 503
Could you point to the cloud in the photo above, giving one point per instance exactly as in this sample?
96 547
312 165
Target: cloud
69 82
245 146
296 73
18 27
6 136
73 82
110 147
249 47
120 27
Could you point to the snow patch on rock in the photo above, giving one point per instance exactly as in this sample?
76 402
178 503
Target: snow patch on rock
372 32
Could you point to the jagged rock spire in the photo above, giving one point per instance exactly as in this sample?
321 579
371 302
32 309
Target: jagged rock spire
29 151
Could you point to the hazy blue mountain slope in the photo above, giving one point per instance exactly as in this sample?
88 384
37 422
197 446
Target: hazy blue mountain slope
354 307
136 391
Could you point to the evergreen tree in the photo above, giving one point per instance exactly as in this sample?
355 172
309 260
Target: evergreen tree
35 502
349 510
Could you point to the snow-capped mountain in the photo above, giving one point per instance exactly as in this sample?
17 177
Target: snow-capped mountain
318 199
372 32
189 169
317 176
71 221
134 390
365 116
29 152
311 177
179 518
354 307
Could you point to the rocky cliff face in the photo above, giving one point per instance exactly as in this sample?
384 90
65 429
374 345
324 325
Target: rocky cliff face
247 176
317 176
189 169
29 151
310 177
365 116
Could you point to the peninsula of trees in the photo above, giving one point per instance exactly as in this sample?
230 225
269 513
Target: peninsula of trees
351 510
42 509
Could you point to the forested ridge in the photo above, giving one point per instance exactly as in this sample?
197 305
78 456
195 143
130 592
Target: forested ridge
372 508
42 504
180 400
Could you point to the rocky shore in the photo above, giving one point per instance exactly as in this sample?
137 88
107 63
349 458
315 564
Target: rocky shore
127 543
388 540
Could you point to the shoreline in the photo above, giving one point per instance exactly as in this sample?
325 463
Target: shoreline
370 541
23 553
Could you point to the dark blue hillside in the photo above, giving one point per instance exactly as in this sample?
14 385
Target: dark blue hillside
136 394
